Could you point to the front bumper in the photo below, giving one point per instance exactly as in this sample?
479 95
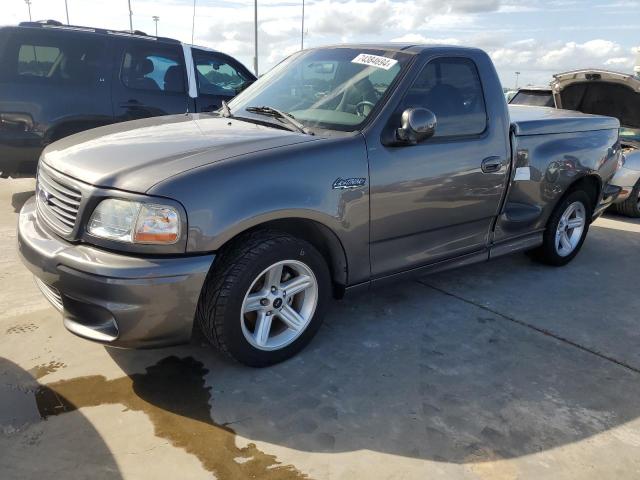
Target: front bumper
121 300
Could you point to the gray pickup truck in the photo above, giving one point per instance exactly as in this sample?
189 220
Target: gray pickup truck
341 168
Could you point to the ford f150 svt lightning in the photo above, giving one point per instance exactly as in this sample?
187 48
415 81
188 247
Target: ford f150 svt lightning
340 168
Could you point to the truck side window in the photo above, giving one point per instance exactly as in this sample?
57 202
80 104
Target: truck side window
217 76
450 88
54 59
153 69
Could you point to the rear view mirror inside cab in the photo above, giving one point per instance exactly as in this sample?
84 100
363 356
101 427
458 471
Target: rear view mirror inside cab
322 67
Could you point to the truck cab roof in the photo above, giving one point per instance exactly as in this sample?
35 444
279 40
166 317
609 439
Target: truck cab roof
410 48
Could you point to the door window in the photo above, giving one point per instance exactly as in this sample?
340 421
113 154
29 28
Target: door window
217 76
450 88
153 70
55 59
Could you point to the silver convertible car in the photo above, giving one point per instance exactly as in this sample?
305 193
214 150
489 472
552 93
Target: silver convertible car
342 168
604 93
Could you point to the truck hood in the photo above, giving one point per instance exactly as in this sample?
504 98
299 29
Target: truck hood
600 92
136 155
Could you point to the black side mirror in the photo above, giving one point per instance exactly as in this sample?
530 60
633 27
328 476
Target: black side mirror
418 124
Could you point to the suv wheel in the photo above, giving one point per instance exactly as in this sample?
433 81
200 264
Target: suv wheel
566 230
263 301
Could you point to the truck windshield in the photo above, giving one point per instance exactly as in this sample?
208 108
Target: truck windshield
330 88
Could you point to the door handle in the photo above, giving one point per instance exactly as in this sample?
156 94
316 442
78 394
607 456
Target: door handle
492 164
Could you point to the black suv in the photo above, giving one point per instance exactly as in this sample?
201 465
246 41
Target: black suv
56 80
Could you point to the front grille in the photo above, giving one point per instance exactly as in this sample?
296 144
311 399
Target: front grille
50 293
58 202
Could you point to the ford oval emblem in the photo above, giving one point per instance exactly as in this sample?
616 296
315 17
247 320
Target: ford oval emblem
44 195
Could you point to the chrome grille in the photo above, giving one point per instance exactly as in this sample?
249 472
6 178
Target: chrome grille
50 293
58 202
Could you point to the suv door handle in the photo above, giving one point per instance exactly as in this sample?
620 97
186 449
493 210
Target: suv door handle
492 164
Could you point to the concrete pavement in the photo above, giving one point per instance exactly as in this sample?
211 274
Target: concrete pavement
504 370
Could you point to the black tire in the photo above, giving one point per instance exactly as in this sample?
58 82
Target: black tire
631 206
547 252
234 271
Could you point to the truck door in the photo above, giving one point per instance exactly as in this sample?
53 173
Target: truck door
438 199
149 79
219 77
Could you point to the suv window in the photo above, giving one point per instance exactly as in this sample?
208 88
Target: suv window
153 69
54 59
450 88
216 76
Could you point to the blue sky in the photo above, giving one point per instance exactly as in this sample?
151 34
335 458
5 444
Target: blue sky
535 37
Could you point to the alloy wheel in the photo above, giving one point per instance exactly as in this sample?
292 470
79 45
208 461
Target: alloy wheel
570 229
279 305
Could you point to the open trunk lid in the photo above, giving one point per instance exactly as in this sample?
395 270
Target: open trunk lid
600 92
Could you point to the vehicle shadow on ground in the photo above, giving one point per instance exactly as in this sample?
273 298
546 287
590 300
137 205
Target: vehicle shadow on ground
31 447
19 199
412 371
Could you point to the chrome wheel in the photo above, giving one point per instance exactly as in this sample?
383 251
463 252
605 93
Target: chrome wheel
570 229
279 305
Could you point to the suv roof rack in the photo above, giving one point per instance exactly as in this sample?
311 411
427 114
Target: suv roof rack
55 24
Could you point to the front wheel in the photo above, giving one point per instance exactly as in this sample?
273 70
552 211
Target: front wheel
566 230
264 299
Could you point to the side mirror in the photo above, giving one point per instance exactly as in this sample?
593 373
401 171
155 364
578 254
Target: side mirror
418 124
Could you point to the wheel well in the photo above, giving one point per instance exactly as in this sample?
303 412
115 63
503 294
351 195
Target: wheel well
589 184
321 237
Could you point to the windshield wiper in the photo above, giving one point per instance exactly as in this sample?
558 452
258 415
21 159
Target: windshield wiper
285 117
226 111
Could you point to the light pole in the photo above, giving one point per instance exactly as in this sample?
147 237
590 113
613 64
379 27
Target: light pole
66 9
302 29
28 2
255 36
193 22
130 17
155 19
517 75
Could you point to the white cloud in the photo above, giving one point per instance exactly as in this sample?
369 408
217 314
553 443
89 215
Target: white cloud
501 27
420 39
550 56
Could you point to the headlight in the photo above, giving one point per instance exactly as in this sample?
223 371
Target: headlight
135 222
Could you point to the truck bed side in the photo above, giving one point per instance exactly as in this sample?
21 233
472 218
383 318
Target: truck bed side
551 153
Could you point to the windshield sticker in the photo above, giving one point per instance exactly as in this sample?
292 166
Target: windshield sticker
374 61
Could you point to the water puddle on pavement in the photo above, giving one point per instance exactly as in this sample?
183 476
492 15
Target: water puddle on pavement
172 393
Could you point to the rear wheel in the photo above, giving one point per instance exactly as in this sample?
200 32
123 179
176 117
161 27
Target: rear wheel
264 299
631 206
566 230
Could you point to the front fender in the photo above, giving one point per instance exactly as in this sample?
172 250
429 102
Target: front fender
229 197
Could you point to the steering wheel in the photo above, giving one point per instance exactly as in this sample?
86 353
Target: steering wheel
360 107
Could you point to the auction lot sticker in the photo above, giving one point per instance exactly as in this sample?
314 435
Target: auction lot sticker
374 61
